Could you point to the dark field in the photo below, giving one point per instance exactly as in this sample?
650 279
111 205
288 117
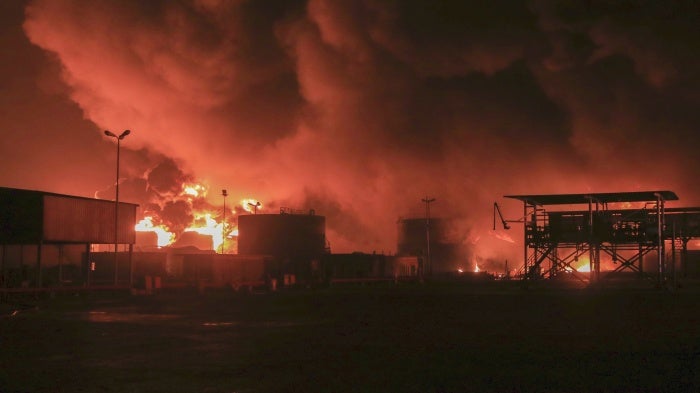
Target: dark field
494 338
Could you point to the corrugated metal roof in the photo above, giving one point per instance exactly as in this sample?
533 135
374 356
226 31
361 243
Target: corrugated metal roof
32 217
608 197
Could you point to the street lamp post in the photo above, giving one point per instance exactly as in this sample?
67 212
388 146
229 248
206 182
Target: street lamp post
428 261
254 206
224 193
116 202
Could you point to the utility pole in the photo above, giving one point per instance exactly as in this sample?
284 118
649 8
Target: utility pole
428 261
224 193
255 206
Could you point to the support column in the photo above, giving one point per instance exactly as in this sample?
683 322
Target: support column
3 275
88 266
60 265
131 265
673 254
591 251
684 258
660 236
525 267
38 266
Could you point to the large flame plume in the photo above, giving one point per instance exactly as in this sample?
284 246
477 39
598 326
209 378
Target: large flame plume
174 203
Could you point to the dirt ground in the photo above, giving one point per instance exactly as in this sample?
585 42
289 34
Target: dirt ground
406 338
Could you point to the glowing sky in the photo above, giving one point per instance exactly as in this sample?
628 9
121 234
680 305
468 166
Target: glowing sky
357 109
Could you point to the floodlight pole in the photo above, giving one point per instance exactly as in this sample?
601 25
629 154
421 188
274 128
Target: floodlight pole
254 206
116 202
428 261
224 193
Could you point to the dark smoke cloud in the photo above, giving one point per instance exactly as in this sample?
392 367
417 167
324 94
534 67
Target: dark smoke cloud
167 178
361 108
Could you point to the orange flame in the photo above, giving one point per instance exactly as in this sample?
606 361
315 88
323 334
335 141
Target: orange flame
206 225
251 205
203 222
194 190
164 236
584 266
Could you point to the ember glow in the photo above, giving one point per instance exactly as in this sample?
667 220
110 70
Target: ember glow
354 109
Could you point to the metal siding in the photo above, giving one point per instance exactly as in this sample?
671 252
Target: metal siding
283 235
77 220
20 216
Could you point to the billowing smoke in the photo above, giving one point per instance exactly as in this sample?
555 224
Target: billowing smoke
360 109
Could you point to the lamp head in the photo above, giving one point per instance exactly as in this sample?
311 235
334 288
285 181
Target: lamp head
124 134
110 133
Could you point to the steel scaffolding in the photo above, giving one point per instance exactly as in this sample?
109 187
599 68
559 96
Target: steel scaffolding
625 226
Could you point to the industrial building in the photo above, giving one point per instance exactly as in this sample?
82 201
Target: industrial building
47 241
51 241
361 267
46 238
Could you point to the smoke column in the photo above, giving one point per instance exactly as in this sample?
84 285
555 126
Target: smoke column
360 109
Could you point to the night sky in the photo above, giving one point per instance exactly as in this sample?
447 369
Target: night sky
357 109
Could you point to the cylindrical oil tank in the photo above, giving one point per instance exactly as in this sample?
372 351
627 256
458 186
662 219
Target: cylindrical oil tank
446 249
282 235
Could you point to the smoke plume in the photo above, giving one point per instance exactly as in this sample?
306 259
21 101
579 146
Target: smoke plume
358 109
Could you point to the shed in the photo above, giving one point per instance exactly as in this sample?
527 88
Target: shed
39 218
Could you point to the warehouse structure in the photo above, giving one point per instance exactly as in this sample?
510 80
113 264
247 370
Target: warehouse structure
41 231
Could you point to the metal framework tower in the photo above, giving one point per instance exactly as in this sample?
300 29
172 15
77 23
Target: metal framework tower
555 240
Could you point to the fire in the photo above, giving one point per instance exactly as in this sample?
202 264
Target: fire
503 236
164 237
476 267
206 225
251 205
585 266
194 194
194 190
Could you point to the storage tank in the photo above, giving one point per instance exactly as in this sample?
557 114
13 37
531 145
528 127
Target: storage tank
282 235
446 249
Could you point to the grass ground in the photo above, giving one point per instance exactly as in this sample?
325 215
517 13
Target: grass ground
408 338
